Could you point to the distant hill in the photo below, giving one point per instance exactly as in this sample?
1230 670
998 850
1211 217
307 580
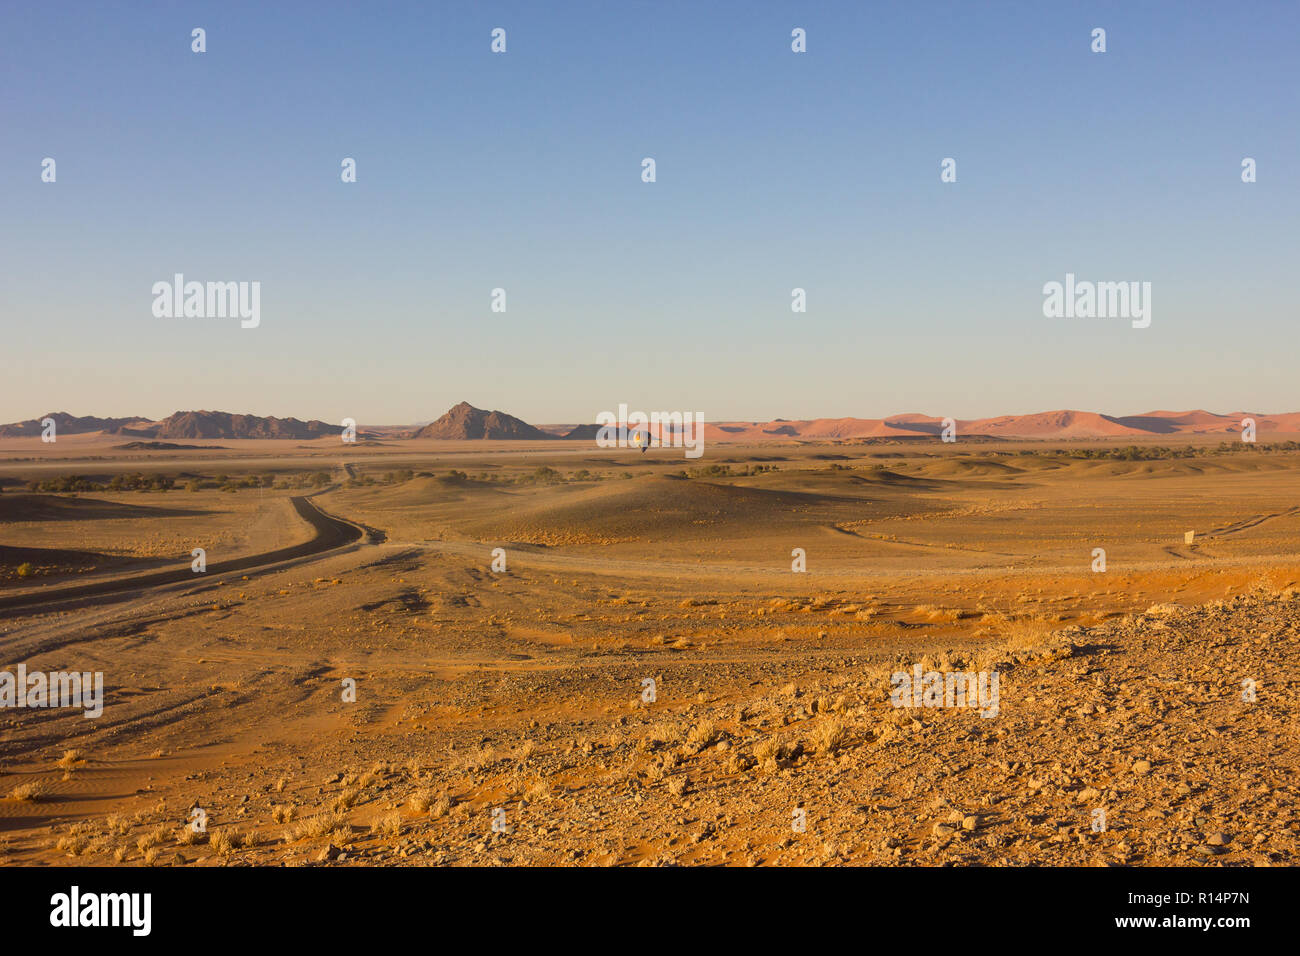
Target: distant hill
161 446
66 424
582 433
200 424
464 421
204 424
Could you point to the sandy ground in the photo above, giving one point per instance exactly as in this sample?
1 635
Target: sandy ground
518 697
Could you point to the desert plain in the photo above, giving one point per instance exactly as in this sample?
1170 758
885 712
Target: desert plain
543 652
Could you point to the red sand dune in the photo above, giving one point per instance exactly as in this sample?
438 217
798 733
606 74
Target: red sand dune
1065 423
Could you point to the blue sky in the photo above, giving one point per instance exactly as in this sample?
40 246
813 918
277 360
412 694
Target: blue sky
522 170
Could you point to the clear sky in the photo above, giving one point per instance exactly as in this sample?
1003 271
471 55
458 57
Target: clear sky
522 170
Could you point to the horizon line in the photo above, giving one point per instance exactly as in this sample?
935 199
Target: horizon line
883 418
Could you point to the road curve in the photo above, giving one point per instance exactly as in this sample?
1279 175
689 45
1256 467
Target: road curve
331 533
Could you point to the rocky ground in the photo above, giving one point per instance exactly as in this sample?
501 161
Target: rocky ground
1178 724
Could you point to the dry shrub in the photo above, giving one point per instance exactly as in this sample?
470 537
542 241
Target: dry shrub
320 825
481 759
71 758
703 734
664 734
739 763
1026 634
72 844
226 841
158 836
30 792
829 735
346 800
949 615
538 789
769 748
